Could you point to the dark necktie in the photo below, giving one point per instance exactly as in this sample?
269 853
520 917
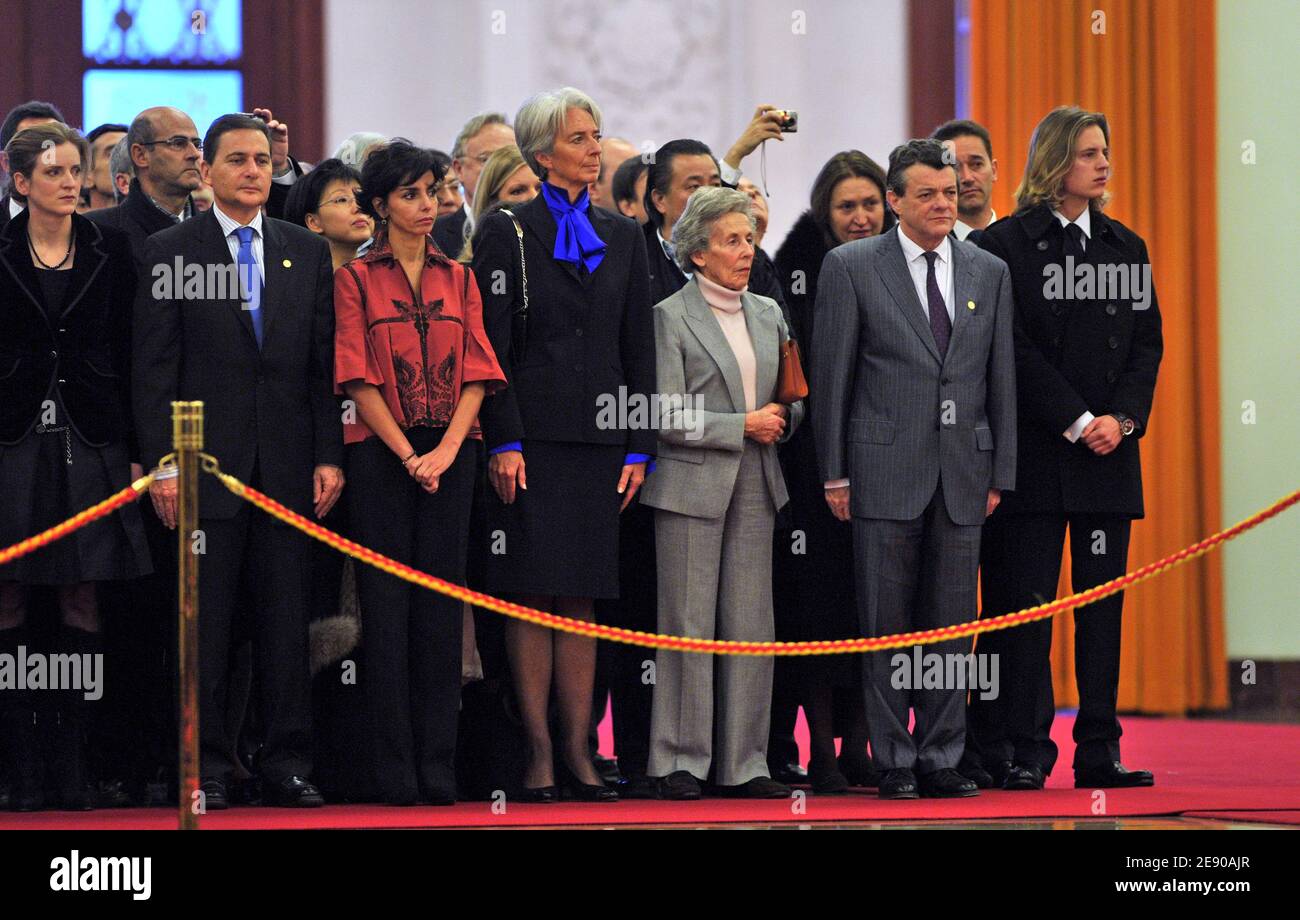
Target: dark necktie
1074 241
940 324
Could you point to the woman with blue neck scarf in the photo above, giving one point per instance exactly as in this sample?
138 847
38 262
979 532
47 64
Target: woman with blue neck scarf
566 304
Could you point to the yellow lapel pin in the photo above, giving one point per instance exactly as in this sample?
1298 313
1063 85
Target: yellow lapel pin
970 305
287 263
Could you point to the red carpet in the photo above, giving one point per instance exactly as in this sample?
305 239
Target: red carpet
1211 769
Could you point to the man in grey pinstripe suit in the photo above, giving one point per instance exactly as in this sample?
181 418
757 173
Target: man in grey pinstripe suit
914 415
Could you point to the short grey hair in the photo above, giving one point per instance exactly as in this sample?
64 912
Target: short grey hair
119 161
704 208
473 127
541 119
354 148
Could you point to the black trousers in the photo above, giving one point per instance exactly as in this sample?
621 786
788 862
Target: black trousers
626 667
1021 565
251 558
410 665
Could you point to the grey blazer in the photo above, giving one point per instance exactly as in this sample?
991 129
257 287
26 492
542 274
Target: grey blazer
700 442
889 414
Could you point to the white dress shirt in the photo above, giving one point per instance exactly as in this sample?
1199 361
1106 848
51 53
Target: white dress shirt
964 230
919 268
1084 222
14 209
228 227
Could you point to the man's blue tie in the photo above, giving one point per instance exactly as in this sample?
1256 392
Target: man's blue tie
250 281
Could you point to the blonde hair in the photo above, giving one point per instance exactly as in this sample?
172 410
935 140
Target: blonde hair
1051 156
498 169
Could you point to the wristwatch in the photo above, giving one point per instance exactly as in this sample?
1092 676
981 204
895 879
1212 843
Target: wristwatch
1126 424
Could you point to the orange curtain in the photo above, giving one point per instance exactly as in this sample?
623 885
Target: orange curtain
1149 66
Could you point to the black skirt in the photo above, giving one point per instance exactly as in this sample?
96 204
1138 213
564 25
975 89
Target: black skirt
560 536
39 488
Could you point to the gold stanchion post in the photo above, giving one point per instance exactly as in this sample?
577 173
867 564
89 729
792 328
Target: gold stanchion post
187 440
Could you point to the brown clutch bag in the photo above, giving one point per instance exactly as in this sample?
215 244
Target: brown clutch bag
791 385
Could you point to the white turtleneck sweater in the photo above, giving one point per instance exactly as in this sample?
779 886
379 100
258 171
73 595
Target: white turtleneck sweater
727 309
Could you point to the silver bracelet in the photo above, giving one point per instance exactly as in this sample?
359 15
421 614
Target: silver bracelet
167 472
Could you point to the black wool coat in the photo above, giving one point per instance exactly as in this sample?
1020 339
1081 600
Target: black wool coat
1074 354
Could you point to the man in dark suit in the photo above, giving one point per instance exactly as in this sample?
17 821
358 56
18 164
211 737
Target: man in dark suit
165 151
679 168
916 439
1086 373
137 742
18 118
259 353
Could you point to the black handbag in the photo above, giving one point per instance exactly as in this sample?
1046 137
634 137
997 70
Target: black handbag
519 320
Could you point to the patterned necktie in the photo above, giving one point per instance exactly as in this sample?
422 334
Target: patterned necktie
940 324
1075 242
250 281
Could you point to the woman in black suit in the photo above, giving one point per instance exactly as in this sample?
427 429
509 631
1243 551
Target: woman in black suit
560 470
66 287
1085 375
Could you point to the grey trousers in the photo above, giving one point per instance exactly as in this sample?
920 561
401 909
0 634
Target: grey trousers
715 582
914 575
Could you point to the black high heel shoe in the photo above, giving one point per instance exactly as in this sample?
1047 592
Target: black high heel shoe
571 788
543 795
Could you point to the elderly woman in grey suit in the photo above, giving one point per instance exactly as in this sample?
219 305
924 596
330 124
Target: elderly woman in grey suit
716 490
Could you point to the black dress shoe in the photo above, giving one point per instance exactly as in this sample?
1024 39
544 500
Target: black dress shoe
899 784
215 797
977 775
679 786
606 768
112 793
760 787
859 771
577 791
542 795
436 795
292 792
947 784
1113 775
826 778
788 772
1024 777
636 787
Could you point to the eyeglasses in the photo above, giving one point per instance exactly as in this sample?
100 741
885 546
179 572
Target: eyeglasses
342 201
450 185
177 143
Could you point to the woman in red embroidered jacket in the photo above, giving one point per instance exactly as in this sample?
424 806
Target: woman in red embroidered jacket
411 353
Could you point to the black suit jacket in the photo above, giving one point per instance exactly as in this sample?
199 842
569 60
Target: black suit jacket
587 334
1099 355
4 210
137 217
76 352
272 409
448 233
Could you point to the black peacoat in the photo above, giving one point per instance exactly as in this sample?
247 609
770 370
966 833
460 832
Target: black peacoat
1088 353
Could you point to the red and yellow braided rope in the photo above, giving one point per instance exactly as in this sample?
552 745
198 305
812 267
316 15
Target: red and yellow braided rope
77 521
725 647
653 640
